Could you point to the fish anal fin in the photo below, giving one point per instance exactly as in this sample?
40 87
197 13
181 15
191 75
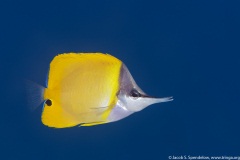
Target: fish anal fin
92 124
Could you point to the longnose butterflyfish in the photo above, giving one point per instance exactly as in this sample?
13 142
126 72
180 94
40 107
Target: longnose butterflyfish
86 89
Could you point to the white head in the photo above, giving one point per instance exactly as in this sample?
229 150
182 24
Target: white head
132 97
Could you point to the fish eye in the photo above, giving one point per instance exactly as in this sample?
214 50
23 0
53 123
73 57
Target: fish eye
135 93
48 102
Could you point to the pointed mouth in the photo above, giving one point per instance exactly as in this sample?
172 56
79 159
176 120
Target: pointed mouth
158 100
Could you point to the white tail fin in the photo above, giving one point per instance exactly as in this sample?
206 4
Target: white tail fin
34 94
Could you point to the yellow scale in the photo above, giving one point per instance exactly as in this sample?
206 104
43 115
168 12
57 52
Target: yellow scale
82 88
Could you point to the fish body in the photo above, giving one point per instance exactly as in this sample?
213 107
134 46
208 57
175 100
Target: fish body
88 89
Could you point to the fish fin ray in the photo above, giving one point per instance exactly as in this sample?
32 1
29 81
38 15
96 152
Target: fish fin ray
100 107
34 93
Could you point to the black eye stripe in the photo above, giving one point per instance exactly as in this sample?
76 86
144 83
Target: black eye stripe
135 93
48 102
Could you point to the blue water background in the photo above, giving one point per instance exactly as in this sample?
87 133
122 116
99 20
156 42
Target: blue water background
185 49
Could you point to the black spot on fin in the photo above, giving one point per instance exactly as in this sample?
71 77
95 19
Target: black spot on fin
48 102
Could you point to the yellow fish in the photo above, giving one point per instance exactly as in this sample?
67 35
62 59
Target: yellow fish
89 89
